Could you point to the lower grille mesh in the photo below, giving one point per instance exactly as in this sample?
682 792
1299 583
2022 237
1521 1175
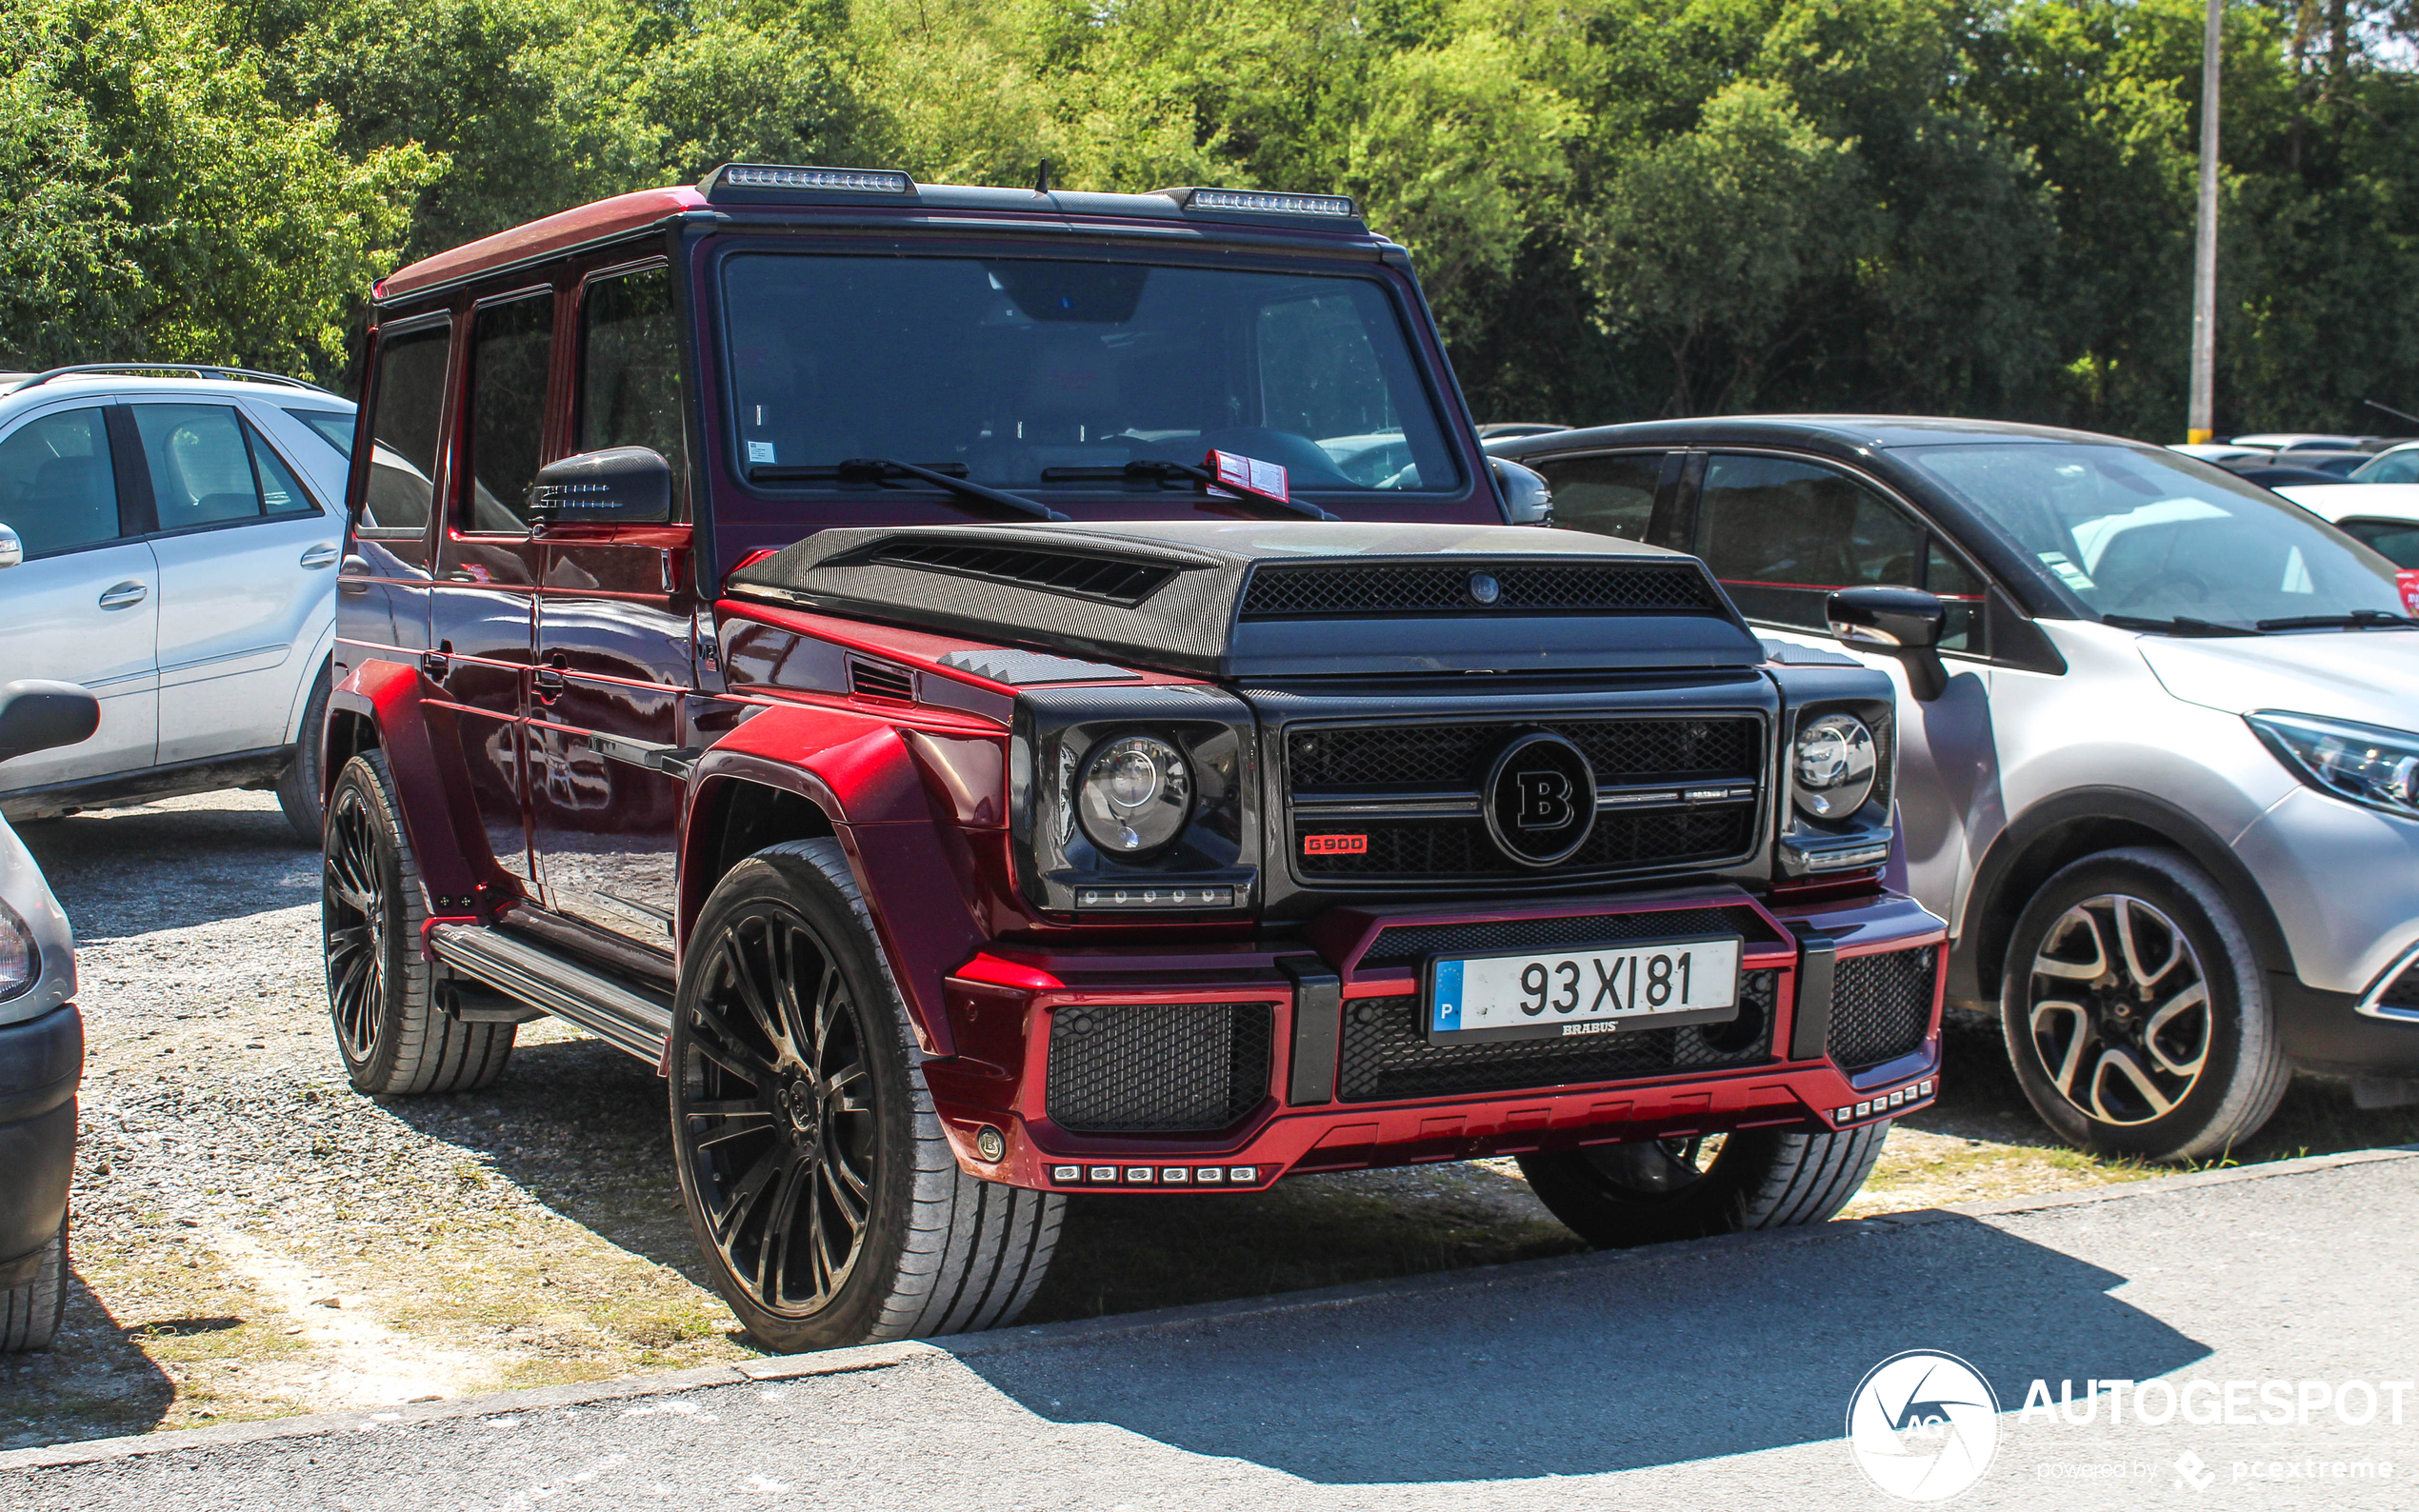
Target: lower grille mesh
1157 1067
1881 1005
1384 1056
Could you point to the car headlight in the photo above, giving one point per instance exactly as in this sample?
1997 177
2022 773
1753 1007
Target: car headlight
2364 763
20 958
1833 767
1134 795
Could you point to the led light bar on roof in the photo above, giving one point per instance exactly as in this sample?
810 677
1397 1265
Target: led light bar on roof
854 180
1219 199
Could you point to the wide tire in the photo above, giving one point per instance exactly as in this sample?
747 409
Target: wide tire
390 1029
826 1200
1654 1191
299 786
2136 1012
30 1313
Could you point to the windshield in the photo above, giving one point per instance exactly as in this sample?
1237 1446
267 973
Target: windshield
2151 535
1034 374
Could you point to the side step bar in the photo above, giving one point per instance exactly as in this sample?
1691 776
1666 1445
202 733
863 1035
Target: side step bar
630 1018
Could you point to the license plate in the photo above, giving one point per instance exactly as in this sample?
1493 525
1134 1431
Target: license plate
1592 989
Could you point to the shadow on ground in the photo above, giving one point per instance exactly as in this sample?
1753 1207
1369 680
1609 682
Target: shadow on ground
133 871
1673 1356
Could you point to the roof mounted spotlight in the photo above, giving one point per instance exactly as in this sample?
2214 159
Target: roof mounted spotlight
779 183
1256 202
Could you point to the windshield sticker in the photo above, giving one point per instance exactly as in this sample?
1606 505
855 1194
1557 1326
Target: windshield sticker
2408 580
1249 475
761 452
2073 576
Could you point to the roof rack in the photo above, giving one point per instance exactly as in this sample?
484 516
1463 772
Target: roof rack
176 369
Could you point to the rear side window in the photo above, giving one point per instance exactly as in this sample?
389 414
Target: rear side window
2397 541
332 425
1609 495
57 491
208 467
511 347
631 393
407 407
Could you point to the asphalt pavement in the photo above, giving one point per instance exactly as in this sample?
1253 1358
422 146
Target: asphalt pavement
1716 1374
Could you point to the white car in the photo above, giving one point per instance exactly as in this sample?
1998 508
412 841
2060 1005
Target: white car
2384 516
170 540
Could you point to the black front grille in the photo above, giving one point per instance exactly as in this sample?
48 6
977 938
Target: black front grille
1881 1005
1383 1056
1621 750
1157 1067
1406 943
1105 580
1421 849
1293 592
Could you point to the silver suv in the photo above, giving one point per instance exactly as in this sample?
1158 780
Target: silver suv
2156 755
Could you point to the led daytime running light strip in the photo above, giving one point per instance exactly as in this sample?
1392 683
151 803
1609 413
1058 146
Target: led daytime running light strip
864 181
1911 1092
1218 199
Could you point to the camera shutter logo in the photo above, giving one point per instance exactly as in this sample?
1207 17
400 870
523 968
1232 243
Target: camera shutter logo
1923 1426
1540 799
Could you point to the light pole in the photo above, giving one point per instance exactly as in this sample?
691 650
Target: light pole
2202 422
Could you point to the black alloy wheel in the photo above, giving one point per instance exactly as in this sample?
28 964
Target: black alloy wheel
2120 1015
356 916
1652 1192
776 1103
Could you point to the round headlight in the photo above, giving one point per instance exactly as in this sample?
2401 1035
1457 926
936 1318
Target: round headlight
1834 764
1134 796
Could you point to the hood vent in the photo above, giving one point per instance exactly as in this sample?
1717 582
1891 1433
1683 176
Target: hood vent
881 679
1102 580
1288 592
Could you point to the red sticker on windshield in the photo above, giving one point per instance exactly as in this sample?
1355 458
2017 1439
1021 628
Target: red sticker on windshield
2408 579
1249 475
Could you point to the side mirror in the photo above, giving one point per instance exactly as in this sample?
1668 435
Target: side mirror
1904 623
37 716
12 549
1528 498
618 486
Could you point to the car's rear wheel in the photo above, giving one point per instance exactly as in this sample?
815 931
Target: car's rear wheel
299 786
1652 1192
30 1313
2136 1013
826 1200
392 1033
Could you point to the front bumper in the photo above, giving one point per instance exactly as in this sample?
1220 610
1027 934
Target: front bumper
1341 1085
41 1062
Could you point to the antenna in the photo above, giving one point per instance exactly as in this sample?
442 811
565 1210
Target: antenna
2409 420
1041 181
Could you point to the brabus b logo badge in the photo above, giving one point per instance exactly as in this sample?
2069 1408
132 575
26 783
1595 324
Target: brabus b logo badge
1484 588
1540 799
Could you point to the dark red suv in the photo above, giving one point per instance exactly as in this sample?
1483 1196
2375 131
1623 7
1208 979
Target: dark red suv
999 693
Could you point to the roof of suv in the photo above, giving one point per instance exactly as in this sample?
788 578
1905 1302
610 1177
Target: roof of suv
1165 212
1856 432
301 395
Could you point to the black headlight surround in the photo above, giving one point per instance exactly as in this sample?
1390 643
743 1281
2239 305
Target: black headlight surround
1209 865
1853 843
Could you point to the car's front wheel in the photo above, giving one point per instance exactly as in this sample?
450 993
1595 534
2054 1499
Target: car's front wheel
826 1204
29 1313
1652 1192
2136 1013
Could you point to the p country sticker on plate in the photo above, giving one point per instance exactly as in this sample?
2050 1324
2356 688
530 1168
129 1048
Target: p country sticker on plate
1249 475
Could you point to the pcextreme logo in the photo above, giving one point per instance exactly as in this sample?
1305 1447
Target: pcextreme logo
1923 1426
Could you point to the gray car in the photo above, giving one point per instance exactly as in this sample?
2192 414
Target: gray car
41 1040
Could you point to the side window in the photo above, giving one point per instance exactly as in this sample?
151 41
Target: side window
1960 593
1781 534
405 414
2397 541
201 465
631 390
1612 494
57 490
511 349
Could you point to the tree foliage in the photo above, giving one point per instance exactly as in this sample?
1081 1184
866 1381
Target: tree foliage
1619 208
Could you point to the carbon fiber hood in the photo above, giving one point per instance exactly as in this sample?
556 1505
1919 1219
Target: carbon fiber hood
1239 598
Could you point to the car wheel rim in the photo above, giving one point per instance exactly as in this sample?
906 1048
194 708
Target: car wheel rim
2121 1017
353 918
777 1113
1648 1169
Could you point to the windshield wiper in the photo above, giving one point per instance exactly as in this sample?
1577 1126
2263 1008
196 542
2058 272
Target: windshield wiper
2182 625
875 469
2356 620
1179 471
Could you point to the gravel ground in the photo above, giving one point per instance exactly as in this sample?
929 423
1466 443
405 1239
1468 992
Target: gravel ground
254 1239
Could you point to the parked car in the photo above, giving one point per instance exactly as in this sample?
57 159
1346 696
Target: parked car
169 542
2396 464
2382 516
2277 476
949 867
40 1039
2225 455
2154 737
2282 441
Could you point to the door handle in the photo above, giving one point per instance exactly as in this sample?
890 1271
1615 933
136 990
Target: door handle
125 595
324 554
354 568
